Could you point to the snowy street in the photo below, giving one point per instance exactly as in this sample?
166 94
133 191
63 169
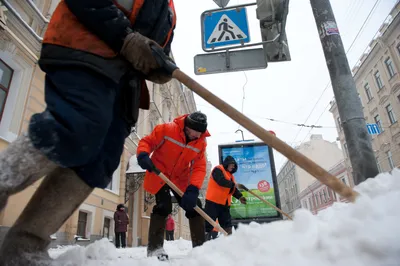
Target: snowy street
364 233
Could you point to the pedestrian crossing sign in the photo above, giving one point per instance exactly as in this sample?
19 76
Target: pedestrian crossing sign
225 27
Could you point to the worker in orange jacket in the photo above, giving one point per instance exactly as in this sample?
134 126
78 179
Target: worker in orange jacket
96 56
178 150
221 188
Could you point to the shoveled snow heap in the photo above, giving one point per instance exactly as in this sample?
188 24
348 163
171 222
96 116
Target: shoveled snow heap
364 233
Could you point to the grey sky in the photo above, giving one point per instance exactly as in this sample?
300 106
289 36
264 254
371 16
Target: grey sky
285 91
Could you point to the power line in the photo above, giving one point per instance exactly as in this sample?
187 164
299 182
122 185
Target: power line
326 87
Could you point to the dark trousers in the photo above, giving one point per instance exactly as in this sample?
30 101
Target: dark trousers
220 212
169 235
120 239
82 126
163 205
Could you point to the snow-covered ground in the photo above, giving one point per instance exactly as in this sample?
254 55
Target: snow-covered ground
364 233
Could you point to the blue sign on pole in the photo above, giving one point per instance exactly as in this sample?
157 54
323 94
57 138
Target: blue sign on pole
225 27
373 129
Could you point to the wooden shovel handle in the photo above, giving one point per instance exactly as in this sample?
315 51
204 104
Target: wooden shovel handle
308 165
197 208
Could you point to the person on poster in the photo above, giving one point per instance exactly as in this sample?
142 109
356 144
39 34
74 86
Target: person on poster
221 188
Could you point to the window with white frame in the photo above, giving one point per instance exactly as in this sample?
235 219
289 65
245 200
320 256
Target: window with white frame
379 165
378 122
378 80
6 74
114 183
390 67
85 223
106 227
367 89
82 224
339 123
344 180
390 159
346 151
392 117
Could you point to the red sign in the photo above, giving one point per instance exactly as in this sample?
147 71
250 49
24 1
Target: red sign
263 186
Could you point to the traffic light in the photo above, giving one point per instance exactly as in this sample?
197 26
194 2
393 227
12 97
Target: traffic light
272 15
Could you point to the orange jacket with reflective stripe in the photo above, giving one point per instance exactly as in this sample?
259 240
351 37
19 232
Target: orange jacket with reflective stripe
65 30
184 164
218 194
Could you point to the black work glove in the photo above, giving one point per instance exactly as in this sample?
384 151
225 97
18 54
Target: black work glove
243 200
189 198
145 162
158 76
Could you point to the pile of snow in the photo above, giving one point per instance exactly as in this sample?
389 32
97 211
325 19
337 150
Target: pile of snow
364 233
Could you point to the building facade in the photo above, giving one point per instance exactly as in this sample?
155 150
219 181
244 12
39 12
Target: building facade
292 180
317 196
22 25
378 84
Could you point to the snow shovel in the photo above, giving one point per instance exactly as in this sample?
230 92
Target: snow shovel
241 186
197 208
308 165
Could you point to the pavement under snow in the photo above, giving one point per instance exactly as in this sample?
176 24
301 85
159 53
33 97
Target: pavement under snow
364 233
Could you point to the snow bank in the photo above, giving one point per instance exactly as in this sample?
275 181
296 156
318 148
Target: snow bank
364 233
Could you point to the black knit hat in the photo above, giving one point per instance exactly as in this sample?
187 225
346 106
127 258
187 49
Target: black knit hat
197 121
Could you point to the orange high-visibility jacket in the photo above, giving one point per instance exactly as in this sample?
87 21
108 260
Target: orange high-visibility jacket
184 164
218 194
65 30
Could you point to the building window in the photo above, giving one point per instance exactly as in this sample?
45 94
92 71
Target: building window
378 122
339 123
310 203
368 92
390 68
390 159
82 223
344 180
379 165
6 74
378 80
346 151
328 194
106 227
392 117
324 195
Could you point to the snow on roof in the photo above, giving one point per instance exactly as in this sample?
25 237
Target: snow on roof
134 166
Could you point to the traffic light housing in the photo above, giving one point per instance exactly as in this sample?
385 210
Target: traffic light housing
272 15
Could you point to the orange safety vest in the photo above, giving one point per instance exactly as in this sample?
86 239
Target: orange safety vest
218 194
65 30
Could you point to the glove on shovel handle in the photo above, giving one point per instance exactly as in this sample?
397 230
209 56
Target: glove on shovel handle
163 60
197 208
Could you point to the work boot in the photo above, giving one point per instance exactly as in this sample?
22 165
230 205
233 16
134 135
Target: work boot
56 199
21 165
228 230
197 231
156 237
